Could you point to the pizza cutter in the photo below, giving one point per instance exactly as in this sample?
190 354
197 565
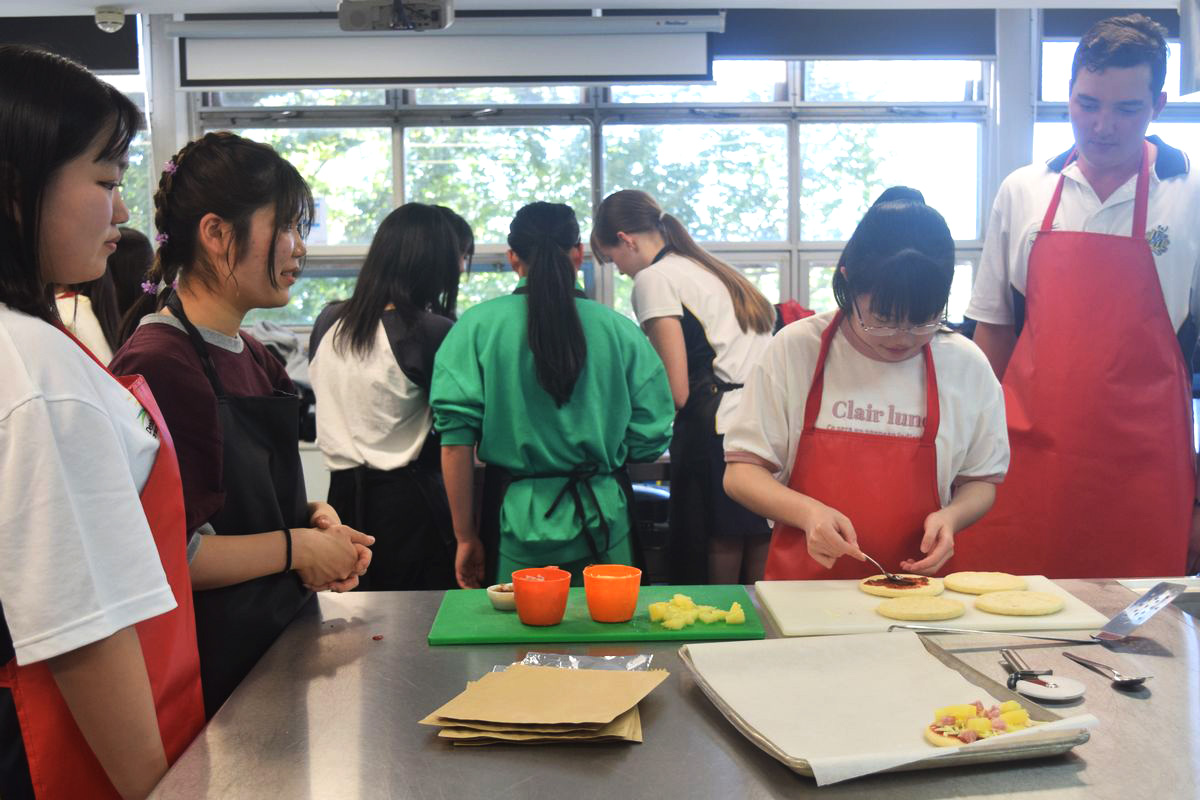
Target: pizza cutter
1039 684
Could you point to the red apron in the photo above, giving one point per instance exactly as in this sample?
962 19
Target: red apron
886 485
61 764
1099 417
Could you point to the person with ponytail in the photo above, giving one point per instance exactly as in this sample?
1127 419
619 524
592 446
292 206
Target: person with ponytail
372 363
99 675
231 216
873 428
709 324
556 393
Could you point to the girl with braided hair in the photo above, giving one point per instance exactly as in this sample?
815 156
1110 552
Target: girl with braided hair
559 393
231 214
99 676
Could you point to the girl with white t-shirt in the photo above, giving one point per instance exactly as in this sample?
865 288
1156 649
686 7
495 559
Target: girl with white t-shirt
371 369
709 325
873 428
99 674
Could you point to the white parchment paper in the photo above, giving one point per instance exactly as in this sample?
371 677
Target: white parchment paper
849 705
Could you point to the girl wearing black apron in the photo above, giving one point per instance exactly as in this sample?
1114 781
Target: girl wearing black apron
227 206
371 369
709 324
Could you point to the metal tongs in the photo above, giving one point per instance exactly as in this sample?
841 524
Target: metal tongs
890 576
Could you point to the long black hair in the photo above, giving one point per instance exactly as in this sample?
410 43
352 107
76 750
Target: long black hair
902 254
102 294
542 235
228 175
51 111
413 263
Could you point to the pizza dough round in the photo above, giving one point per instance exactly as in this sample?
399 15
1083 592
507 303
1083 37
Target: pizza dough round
939 740
933 587
918 608
1019 604
984 582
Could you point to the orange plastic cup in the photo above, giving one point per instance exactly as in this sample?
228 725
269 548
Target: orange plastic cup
541 594
612 591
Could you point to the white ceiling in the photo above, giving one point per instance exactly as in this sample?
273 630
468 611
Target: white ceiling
30 8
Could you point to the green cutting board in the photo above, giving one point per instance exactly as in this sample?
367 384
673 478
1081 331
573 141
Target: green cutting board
466 616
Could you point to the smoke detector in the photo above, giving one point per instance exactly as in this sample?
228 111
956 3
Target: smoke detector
110 19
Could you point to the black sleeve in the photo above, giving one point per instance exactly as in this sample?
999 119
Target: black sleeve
415 349
325 320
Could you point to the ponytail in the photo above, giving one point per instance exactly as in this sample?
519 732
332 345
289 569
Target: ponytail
542 234
633 211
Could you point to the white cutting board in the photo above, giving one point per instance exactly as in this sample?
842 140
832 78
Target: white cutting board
820 608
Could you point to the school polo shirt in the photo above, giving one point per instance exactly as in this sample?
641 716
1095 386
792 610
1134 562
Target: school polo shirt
1021 203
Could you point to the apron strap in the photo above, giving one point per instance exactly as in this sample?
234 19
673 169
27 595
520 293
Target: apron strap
1141 196
812 405
198 343
582 477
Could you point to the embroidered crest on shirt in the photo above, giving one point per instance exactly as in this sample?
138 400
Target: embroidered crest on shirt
147 421
1158 239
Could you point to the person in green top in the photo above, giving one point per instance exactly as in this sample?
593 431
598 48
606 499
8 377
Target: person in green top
559 393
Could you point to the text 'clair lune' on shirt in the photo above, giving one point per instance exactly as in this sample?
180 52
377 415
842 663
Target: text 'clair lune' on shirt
77 559
873 397
676 286
374 411
1024 197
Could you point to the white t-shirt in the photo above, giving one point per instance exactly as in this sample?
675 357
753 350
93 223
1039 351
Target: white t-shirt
369 413
80 319
869 396
1024 197
77 559
676 284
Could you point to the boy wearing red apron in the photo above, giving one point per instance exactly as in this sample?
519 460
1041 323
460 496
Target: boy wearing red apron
1097 386
872 427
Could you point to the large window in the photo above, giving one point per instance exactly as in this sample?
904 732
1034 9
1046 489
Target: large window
723 182
487 173
141 180
1056 73
770 166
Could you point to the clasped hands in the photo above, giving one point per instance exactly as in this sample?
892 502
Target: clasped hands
329 555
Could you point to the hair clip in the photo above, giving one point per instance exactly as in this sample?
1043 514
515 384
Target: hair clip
175 283
161 238
661 214
149 287
170 167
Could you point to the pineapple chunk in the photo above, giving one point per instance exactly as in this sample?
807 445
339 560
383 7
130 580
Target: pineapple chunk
1009 705
682 601
960 713
735 615
981 725
658 611
690 615
1015 719
711 615
675 623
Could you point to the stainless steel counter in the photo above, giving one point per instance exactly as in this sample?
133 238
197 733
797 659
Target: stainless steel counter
330 712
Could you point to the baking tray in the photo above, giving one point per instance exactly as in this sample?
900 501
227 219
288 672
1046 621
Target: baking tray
1035 745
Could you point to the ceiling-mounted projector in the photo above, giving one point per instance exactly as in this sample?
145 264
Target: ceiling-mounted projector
395 15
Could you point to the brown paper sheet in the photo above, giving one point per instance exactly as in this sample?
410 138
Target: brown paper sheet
527 695
625 728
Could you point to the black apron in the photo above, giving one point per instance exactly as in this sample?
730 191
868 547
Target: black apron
699 507
496 481
407 512
264 491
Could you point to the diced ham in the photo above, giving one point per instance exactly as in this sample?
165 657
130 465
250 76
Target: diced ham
946 720
999 725
966 737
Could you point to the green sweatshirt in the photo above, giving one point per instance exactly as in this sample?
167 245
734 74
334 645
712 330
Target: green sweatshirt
485 391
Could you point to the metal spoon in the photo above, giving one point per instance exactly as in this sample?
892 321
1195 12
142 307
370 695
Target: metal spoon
1119 680
890 576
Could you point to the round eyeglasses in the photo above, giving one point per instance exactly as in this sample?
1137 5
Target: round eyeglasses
883 331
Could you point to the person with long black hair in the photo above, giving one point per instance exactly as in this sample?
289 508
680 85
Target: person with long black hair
558 393
372 364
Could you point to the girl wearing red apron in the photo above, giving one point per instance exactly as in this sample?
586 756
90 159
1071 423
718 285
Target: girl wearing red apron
99 674
1106 488
872 428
